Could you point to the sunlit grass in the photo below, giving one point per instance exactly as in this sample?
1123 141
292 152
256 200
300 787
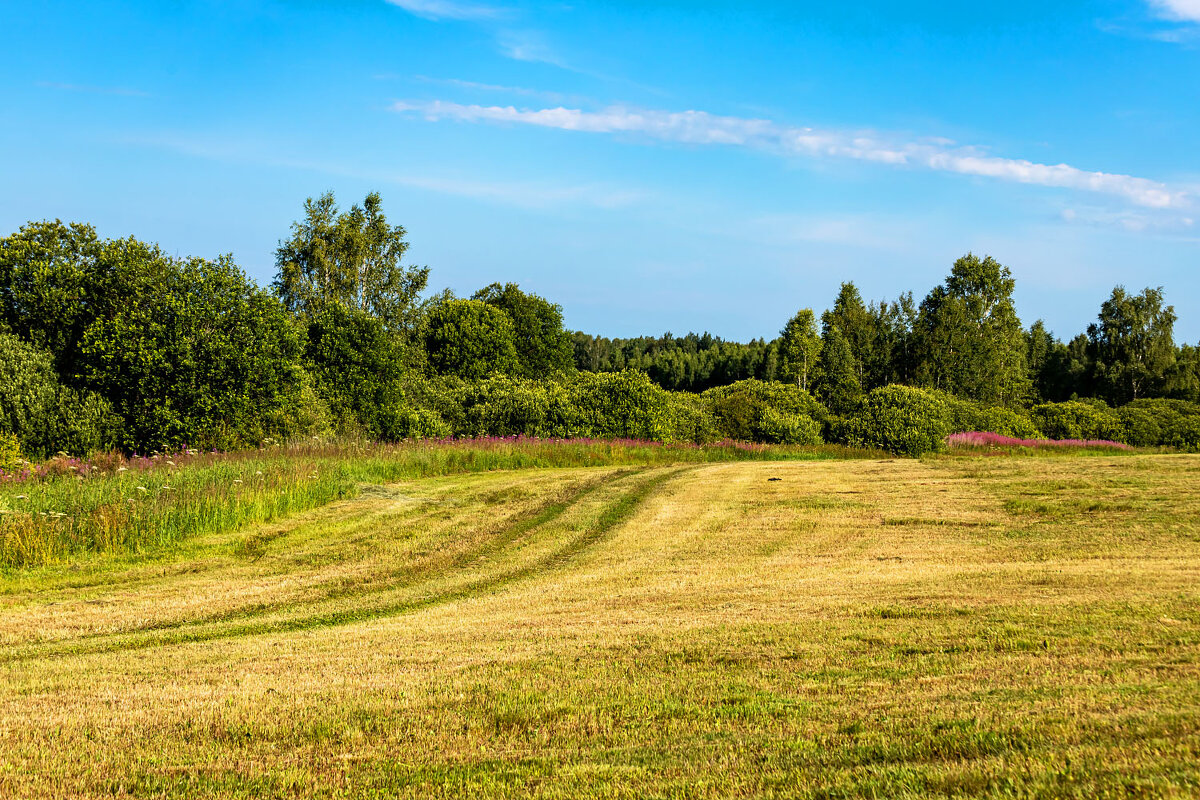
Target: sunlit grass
954 627
112 505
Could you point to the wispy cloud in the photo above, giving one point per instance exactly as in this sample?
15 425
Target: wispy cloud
528 45
475 86
1177 10
541 195
75 87
1133 221
446 9
702 128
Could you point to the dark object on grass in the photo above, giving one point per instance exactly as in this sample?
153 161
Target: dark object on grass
774 479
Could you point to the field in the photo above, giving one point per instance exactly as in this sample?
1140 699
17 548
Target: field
1006 626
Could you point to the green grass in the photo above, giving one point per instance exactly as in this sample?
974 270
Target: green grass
652 628
167 500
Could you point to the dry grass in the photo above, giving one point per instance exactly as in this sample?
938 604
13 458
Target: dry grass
1004 627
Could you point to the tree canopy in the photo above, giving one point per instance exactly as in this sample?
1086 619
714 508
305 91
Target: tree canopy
543 347
352 258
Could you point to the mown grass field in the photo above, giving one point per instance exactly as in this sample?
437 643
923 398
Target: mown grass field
1000 626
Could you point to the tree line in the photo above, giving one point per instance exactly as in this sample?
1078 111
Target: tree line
113 343
964 338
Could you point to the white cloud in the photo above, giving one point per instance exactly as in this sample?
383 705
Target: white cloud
1178 10
702 128
445 9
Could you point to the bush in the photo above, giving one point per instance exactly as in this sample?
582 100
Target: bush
968 416
504 406
617 405
1077 420
901 420
309 416
1167 423
762 411
357 368
691 419
45 416
187 351
470 339
10 453
421 423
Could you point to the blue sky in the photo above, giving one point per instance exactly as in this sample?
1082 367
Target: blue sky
651 166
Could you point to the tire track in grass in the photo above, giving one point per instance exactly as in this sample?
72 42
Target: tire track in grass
408 575
610 517
403 577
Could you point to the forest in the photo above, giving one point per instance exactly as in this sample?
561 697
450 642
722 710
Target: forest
114 345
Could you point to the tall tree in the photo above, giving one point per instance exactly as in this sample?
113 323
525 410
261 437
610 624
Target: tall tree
352 258
852 318
891 356
1183 379
543 347
970 339
1132 344
836 382
799 347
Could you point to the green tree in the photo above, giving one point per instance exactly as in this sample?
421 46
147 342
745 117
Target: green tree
44 416
51 286
799 347
543 347
852 318
357 368
836 382
891 357
969 338
1132 344
199 355
1183 380
352 258
187 351
470 339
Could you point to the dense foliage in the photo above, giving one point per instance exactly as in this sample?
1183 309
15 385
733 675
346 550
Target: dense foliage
114 344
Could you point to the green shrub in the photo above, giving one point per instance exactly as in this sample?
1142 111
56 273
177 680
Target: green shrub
357 368
967 415
764 411
187 351
45 416
617 405
306 417
1167 423
1077 420
691 418
10 452
586 405
504 406
901 420
470 339
421 423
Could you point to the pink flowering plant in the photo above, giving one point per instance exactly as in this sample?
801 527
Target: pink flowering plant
983 439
